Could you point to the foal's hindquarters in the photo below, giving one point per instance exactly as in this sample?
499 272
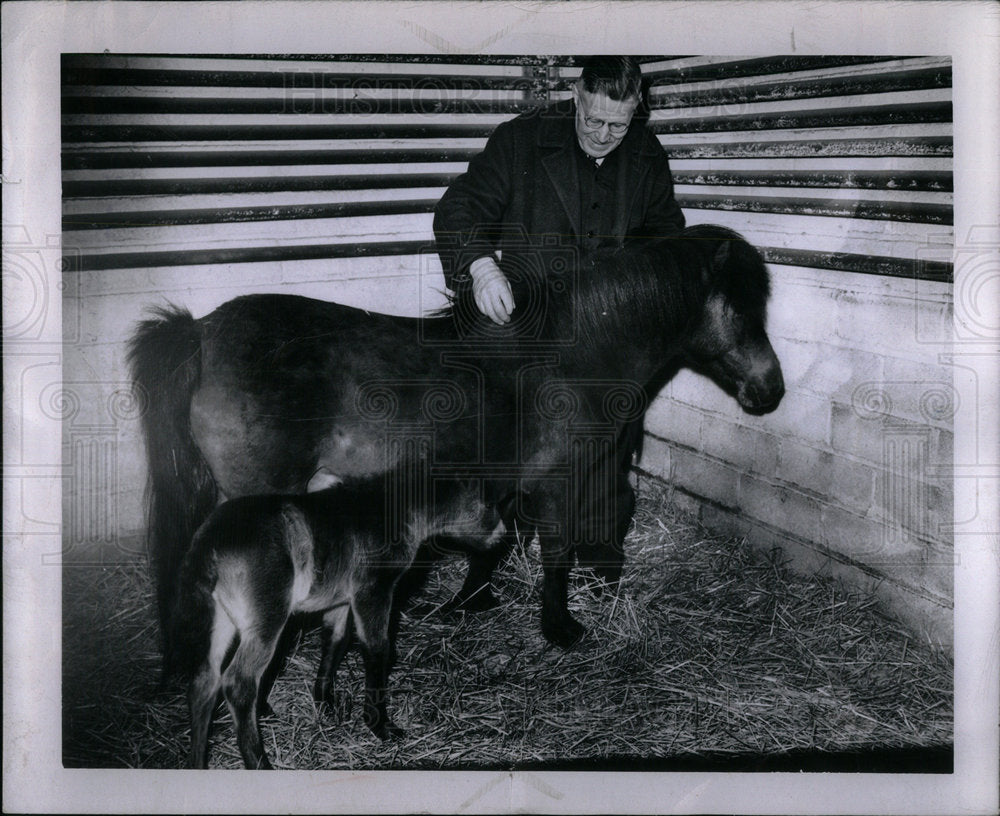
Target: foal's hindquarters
258 560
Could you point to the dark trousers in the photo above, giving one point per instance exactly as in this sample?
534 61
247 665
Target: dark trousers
607 506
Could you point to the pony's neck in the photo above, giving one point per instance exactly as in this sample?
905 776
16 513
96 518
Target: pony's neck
631 312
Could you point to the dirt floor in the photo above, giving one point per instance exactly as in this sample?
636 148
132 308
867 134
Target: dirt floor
711 656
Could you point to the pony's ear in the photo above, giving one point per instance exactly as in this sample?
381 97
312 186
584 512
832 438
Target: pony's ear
721 255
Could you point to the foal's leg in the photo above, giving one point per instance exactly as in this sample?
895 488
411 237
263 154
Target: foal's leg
282 652
476 594
371 619
241 685
336 641
204 688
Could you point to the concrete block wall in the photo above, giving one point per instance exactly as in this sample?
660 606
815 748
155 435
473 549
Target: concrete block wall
850 474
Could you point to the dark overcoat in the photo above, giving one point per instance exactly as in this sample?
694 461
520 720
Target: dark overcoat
520 196
520 200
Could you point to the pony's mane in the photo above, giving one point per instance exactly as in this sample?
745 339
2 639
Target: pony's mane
660 282
645 286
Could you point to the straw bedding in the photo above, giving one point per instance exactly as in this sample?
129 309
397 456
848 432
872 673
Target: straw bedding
711 655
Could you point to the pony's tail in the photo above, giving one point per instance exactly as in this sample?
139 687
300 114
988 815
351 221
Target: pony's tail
189 633
165 360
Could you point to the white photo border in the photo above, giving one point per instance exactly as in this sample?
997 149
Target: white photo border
35 34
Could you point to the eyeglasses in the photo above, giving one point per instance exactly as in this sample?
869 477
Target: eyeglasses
618 128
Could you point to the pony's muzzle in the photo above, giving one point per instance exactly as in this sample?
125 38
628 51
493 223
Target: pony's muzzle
761 395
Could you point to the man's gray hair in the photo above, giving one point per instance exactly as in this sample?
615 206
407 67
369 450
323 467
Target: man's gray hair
618 78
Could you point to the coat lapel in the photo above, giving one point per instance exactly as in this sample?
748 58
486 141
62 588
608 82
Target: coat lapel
631 176
556 140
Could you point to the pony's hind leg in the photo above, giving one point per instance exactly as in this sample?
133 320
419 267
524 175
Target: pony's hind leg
204 689
336 641
371 619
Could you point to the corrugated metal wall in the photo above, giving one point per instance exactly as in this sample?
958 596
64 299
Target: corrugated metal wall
194 179
177 161
794 152
183 161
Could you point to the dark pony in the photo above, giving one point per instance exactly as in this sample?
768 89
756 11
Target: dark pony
271 393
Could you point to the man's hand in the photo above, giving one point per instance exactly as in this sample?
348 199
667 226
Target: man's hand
491 290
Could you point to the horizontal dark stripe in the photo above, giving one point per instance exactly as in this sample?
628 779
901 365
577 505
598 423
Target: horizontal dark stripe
273 132
916 760
405 59
937 146
329 76
760 66
106 160
865 264
866 116
739 69
836 208
940 146
402 103
270 254
830 207
910 180
235 215
268 184
734 94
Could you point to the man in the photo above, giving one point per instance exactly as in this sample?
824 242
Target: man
574 177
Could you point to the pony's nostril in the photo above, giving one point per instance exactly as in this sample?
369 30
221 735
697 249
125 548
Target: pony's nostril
762 397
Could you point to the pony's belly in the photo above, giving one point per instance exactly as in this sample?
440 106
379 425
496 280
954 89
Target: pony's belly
356 449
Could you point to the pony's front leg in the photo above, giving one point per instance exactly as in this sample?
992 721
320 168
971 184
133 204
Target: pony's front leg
371 619
558 626
336 641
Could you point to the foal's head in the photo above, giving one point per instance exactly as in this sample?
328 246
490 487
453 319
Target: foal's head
462 511
729 342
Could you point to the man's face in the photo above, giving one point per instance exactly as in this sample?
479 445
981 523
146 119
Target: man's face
601 122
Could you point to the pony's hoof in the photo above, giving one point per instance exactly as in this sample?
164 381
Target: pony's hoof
389 731
565 634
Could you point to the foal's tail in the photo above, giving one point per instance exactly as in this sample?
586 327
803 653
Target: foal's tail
165 359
